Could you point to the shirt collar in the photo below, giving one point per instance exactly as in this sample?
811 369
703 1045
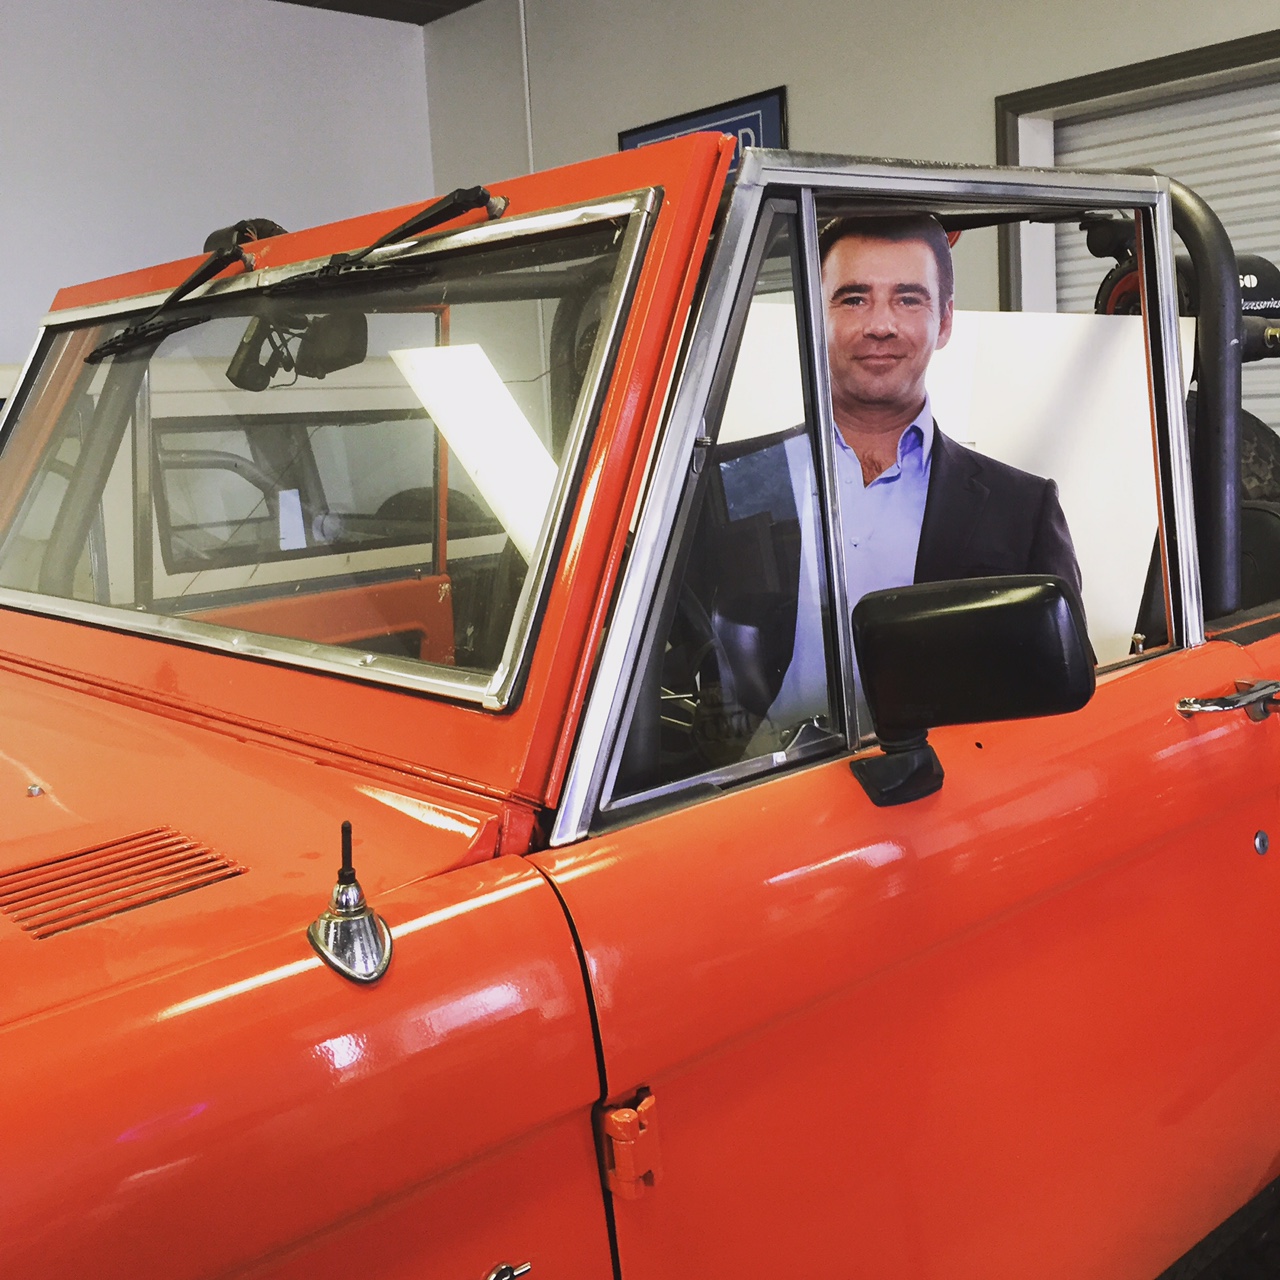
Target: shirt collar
918 430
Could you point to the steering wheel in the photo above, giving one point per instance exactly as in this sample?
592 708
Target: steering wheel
703 725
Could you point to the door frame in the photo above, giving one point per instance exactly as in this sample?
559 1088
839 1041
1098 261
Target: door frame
803 178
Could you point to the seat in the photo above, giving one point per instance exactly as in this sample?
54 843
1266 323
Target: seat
1259 529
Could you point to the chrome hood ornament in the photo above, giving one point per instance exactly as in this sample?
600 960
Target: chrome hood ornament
349 936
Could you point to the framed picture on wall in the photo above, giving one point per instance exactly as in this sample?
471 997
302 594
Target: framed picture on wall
758 120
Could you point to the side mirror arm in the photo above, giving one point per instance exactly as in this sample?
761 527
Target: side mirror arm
900 773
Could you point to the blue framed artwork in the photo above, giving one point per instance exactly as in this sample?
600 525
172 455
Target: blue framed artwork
759 120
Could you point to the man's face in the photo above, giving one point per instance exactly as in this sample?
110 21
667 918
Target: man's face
884 322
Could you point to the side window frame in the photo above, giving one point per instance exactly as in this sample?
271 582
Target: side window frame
1180 562
811 743
820 376
804 179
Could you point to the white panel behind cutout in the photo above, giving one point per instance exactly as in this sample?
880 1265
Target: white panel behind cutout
766 393
1060 395
1066 396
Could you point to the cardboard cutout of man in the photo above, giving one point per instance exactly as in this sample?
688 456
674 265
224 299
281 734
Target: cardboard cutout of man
916 506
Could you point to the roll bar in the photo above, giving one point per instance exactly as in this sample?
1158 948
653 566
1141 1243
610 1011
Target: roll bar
1216 457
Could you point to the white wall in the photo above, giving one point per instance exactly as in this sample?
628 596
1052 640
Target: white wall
476 82
131 129
912 78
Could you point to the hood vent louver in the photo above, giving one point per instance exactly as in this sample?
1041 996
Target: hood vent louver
109 879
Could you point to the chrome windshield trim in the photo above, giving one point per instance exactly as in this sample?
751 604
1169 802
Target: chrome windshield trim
367 667
525 224
1190 598
493 692
590 403
146 301
566 218
20 385
661 502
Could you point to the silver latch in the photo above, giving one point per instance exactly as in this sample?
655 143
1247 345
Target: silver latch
1257 699
349 936
505 1271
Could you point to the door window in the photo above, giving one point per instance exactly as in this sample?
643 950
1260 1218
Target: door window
738 675
1033 452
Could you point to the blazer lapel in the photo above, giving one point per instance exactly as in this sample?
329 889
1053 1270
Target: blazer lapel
951 510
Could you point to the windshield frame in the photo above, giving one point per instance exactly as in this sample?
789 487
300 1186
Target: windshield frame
496 691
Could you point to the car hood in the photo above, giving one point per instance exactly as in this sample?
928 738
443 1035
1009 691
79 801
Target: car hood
138 841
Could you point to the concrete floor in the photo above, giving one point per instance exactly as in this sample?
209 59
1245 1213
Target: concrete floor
1255 1256
1245 1247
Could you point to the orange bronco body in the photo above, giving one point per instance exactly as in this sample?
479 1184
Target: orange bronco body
417 539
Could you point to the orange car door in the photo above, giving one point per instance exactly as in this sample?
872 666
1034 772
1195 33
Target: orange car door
1023 1026
1001 1031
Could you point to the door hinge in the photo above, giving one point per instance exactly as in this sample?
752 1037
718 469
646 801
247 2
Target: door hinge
629 1147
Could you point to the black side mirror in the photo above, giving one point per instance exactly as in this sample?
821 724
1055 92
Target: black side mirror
966 652
331 343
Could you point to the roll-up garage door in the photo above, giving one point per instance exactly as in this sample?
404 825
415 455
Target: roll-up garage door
1227 148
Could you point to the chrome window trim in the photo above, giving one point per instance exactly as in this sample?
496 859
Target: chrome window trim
1038 188
526 224
795 174
493 692
810 743
774 208
1189 602
820 373
948 182
660 505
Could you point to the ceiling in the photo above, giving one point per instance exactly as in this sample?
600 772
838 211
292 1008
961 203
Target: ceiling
418 11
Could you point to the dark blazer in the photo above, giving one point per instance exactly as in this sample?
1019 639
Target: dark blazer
983 518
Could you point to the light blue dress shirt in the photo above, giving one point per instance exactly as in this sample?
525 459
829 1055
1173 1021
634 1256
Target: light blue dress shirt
881 521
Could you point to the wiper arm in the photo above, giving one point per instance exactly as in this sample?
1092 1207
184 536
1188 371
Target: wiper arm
157 325
142 333
454 205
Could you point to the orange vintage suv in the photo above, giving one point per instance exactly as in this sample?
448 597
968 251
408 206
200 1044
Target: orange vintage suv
452 828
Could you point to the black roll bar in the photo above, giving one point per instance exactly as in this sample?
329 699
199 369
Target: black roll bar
1215 459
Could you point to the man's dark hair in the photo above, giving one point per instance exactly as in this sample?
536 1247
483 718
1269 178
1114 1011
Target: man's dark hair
911 226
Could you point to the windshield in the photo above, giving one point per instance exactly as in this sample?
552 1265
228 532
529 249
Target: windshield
368 471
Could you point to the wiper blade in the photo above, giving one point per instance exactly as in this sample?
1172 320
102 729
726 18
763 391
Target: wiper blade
152 328
142 333
345 276
454 205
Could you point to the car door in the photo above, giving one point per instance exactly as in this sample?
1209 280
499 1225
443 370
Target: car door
1022 1026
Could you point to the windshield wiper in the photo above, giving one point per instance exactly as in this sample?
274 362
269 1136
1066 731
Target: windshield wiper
157 325
143 333
454 205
